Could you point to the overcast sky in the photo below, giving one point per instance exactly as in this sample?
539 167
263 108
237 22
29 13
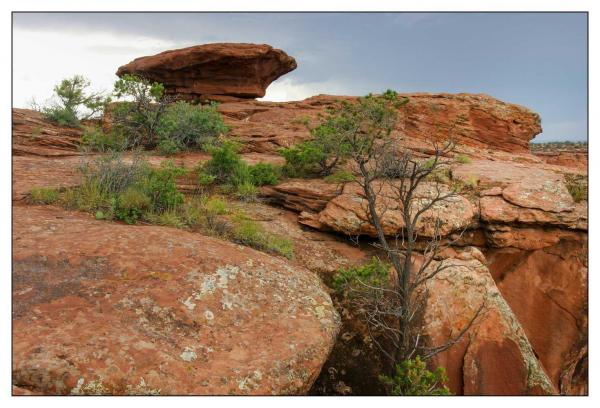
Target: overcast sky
538 60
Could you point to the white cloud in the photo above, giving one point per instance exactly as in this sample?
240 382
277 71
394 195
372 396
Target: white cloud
43 57
287 89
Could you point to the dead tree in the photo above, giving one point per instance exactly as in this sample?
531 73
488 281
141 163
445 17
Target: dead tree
393 176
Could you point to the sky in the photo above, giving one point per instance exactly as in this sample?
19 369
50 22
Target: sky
538 60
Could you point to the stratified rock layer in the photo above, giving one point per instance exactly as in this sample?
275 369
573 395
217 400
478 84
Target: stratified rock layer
475 120
221 71
103 308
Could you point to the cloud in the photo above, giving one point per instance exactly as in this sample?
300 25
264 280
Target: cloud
43 57
287 89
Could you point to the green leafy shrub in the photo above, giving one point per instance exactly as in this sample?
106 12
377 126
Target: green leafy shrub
94 139
43 195
71 95
263 174
168 147
340 176
161 186
169 218
374 273
227 167
411 377
191 126
139 116
249 232
130 205
225 161
463 159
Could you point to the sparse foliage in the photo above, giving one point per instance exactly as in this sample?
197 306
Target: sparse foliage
74 102
390 174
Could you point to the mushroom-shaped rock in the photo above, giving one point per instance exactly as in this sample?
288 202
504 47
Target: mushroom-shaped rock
156 310
214 71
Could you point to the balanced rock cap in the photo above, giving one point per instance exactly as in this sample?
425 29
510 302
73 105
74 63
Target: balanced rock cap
214 71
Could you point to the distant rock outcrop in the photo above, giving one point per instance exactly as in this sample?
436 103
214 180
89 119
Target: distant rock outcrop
221 71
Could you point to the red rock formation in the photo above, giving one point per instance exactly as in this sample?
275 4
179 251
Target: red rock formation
547 290
144 310
33 135
214 71
478 121
494 357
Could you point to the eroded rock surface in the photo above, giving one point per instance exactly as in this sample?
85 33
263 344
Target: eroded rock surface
479 121
33 135
220 71
495 356
148 310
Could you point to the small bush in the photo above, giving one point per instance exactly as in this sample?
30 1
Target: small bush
191 126
43 195
168 147
341 176
168 218
250 233
412 377
71 95
130 205
463 159
161 186
263 174
374 273
577 187
225 161
112 174
94 139
246 191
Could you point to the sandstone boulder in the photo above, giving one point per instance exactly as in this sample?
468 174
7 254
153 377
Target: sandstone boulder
347 212
103 308
494 357
547 290
217 71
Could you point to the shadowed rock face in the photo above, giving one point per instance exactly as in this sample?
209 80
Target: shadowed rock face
103 308
221 71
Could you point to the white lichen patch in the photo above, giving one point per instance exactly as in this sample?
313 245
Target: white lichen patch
94 387
226 273
188 354
208 315
188 303
141 389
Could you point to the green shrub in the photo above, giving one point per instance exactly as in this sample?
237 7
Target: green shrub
71 95
249 232
168 147
139 117
246 191
205 179
340 176
168 218
130 205
112 174
374 273
191 126
577 187
161 186
94 139
411 377
224 162
463 159
43 195
263 174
